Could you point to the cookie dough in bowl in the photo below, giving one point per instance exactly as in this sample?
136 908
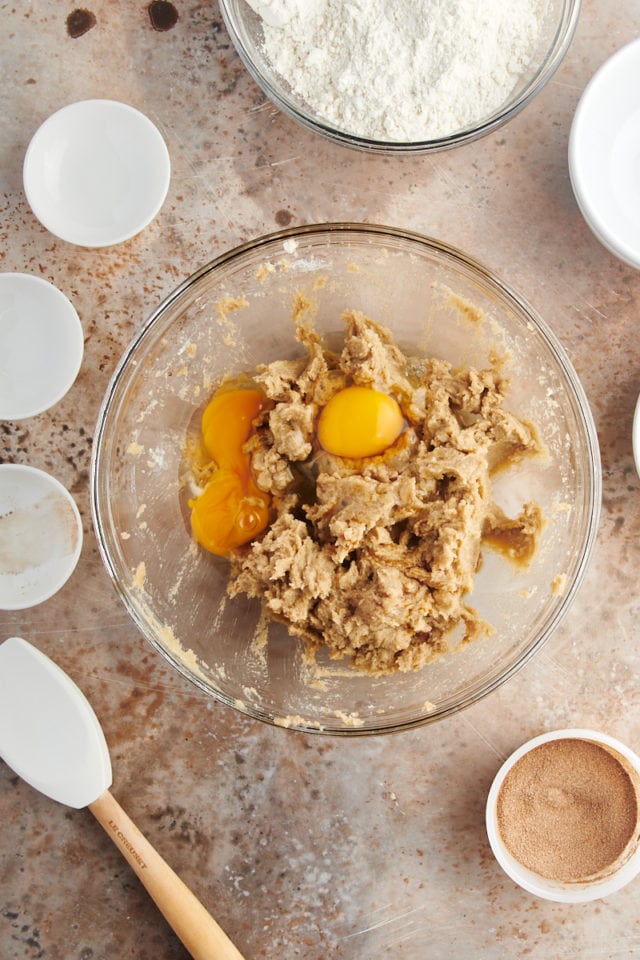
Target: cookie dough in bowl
347 610
371 497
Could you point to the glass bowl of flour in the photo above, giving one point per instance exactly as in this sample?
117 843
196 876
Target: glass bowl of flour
401 76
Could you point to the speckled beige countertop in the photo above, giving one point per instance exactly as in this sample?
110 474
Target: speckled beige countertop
306 846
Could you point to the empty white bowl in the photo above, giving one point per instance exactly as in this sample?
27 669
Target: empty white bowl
41 345
604 154
620 874
40 536
635 436
96 172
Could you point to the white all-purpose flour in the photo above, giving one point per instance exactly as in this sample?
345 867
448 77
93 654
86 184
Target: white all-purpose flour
401 69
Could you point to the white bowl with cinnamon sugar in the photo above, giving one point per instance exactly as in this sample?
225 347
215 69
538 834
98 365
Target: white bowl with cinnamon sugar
563 815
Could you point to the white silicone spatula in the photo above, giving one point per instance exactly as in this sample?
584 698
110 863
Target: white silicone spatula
50 737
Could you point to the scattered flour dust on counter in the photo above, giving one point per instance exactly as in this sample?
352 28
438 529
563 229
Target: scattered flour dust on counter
401 69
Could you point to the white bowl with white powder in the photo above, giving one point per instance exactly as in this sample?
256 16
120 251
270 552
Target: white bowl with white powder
40 536
397 76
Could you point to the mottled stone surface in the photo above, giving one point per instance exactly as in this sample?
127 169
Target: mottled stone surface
304 846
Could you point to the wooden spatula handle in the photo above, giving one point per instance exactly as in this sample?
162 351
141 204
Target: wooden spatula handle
197 929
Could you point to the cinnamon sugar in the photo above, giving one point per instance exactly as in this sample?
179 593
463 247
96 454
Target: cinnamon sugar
568 810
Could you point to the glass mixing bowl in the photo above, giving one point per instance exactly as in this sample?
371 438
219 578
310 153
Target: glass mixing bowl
234 314
244 27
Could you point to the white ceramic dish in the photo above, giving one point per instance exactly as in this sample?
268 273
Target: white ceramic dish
96 172
40 536
635 436
532 882
41 345
604 154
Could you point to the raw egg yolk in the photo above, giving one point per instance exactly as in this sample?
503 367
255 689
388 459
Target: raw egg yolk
359 422
231 510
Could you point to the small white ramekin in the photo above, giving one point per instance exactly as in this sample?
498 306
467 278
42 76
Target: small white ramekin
635 436
40 536
577 892
96 172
